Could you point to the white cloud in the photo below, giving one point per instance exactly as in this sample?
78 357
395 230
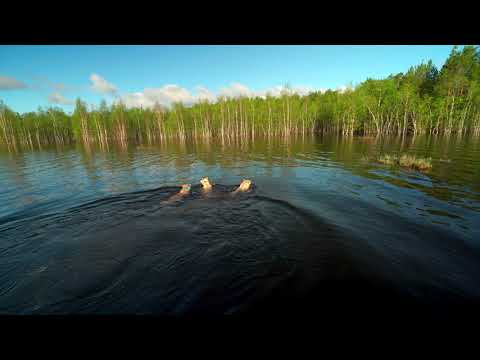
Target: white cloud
236 90
168 94
137 99
101 85
204 94
58 98
279 90
164 95
303 90
9 83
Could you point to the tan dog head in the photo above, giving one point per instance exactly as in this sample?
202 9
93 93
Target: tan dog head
206 183
185 189
245 185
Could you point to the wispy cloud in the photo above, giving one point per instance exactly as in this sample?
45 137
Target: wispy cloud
42 83
58 98
55 90
60 87
101 85
9 83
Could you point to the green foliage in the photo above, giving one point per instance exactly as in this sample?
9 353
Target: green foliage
421 100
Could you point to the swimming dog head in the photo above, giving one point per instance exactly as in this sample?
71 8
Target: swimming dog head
206 183
245 185
185 189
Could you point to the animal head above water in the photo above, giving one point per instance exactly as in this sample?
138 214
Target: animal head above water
205 183
185 188
245 185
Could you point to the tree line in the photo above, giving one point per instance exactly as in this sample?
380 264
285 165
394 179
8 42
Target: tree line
423 100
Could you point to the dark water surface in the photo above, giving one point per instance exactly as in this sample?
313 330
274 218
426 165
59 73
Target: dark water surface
84 230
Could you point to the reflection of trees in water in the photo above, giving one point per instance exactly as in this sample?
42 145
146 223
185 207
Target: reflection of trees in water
122 165
66 159
15 166
108 166
171 160
180 155
88 163
22 169
291 151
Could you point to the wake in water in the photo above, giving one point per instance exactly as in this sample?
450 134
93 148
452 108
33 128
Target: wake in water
213 253
134 253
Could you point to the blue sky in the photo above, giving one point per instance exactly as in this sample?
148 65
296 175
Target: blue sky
33 76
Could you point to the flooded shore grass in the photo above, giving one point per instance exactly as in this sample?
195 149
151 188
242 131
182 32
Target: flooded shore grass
406 161
388 159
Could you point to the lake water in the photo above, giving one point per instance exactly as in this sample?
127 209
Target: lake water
89 230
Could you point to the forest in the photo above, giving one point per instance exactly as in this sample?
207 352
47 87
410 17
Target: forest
422 100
